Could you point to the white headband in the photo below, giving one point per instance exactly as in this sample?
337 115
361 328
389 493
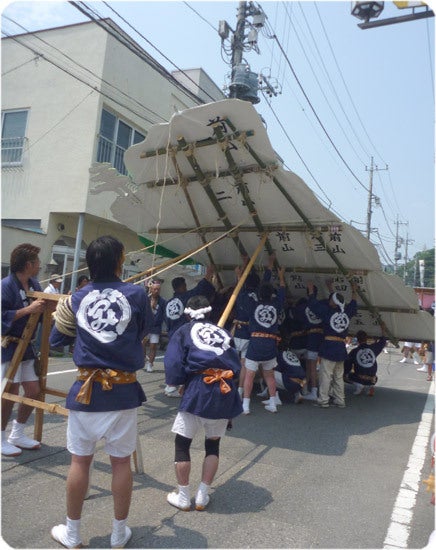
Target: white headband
197 313
337 301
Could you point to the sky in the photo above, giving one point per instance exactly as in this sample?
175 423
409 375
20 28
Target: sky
344 95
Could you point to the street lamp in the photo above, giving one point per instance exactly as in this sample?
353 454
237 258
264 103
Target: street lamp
366 10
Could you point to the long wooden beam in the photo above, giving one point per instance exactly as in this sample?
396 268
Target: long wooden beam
223 141
255 168
179 147
270 228
205 182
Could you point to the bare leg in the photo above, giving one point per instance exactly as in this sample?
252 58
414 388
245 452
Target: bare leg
122 481
7 406
77 484
270 381
248 382
183 470
152 353
31 390
311 373
210 467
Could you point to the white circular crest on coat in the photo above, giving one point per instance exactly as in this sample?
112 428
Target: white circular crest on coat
174 309
311 317
253 296
265 315
365 358
209 337
290 358
339 322
104 314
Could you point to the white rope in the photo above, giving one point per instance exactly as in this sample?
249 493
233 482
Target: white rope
197 313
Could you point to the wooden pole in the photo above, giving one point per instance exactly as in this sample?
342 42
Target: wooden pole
19 351
241 281
47 321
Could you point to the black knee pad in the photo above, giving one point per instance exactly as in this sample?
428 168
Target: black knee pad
212 446
182 445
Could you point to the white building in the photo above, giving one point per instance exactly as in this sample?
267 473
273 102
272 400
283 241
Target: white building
73 96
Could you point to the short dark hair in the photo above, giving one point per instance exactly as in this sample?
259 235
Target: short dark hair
82 278
103 256
197 302
177 282
253 280
361 336
266 290
22 254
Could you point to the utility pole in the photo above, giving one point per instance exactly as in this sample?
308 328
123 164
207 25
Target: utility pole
238 44
406 257
370 196
245 83
399 241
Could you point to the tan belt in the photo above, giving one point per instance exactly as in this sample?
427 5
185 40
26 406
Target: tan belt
334 338
218 375
106 377
6 340
372 379
298 333
315 330
300 381
265 335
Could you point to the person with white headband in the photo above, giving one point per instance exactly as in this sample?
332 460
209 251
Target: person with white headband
201 358
335 316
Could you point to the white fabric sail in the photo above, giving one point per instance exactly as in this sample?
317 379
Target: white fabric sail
212 170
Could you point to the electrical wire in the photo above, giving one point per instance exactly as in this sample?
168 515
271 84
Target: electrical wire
345 85
100 79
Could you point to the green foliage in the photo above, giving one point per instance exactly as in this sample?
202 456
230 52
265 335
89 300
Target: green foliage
412 269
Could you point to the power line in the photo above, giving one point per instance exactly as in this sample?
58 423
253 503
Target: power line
162 54
345 85
99 78
316 114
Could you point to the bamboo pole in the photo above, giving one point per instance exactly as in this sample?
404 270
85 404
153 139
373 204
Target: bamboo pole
50 407
241 281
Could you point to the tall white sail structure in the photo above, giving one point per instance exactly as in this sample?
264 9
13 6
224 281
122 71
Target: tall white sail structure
212 170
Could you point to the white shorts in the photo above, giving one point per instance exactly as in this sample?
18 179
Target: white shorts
311 355
187 425
241 345
266 365
25 371
153 338
429 357
118 428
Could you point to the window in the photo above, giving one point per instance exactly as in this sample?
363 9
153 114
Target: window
13 137
115 137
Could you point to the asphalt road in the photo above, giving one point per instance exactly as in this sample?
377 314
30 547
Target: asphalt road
302 478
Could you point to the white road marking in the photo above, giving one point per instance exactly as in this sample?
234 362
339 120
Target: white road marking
402 514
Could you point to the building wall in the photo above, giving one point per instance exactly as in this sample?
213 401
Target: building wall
52 184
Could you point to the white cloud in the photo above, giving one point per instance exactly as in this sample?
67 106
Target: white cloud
39 15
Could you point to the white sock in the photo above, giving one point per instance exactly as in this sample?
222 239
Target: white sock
119 525
203 489
184 492
246 403
73 529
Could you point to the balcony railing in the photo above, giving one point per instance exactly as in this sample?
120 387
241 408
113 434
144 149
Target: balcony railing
108 152
12 151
